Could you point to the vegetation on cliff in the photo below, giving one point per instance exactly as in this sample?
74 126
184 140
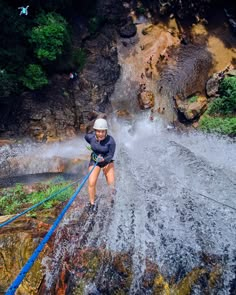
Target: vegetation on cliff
220 116
16 199
35 45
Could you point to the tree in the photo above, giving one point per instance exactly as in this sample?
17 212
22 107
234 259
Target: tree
34 77
49 36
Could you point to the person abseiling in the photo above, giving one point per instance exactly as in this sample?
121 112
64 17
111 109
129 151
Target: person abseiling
103 149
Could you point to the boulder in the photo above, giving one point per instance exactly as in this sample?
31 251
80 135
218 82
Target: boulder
212 85
26 165
192 110
128 30
195 109
6 142
146 100
147 30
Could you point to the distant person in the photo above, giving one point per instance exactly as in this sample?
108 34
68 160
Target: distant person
24 10
71 76
103 147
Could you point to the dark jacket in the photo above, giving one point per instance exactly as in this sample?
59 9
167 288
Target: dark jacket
106 148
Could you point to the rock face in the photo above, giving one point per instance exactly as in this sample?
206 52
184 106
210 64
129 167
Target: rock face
60 110
212 85
128 30
15 166
191 110
47 115
97 80
17 243
146 100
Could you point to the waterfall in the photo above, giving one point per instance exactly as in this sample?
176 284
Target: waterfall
164 210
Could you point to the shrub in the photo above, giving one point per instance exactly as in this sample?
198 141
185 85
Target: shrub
49 36
225 126
226 103
34 77
15 200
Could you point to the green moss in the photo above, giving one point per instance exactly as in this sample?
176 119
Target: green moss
193 99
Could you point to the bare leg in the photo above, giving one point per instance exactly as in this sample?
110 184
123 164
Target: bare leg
92 183
109 172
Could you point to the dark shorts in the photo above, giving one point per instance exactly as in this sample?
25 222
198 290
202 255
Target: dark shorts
101 165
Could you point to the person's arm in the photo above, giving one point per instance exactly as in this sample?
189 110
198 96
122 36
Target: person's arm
110 155
88 137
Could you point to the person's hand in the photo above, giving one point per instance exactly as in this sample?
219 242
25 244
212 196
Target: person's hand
100 159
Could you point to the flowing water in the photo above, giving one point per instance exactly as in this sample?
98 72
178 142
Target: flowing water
174 206
174 217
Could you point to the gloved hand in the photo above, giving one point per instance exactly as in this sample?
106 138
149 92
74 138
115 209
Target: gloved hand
100 159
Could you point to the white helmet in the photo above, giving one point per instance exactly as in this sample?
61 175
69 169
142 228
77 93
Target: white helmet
100 124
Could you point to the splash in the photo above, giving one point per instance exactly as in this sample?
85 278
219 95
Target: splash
160 214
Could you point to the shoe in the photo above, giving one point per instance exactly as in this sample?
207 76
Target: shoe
113 192
92 208
112 203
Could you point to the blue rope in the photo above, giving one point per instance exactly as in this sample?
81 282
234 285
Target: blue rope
11 290
36 205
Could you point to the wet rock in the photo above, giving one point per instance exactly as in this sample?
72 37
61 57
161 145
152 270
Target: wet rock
6 142
97 270
146 100
128 30
147 30
17 243
212 85
192 110
31 165
48 114
230 14
123 114
57 112
112 10
231 73
195 109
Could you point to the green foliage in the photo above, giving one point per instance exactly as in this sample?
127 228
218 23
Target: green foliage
225 126
12 199
79 58
37 197
49 36
193 99
219 116
226 103
15 200
34 77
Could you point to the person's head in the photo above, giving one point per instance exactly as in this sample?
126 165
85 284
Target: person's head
100 126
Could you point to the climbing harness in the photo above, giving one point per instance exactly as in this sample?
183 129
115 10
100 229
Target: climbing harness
11 290
94 156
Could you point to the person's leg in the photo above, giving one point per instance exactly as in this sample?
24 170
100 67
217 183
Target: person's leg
92 181
109 172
